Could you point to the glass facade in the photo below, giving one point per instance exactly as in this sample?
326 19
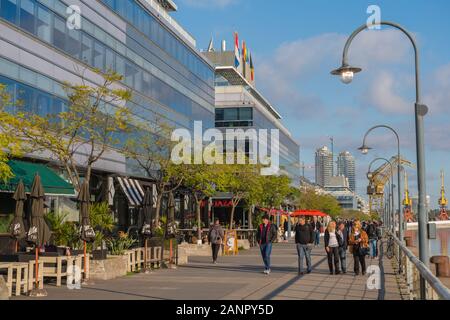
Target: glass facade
234 117
163 92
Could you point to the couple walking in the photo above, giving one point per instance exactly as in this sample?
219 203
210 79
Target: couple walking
304 237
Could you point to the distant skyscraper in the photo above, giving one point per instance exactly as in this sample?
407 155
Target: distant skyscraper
324 166
346 168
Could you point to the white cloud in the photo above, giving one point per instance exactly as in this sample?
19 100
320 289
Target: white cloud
209 3
383 94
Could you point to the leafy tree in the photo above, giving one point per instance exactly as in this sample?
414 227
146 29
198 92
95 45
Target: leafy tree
89 125
308 199
275 190
10 144
151 149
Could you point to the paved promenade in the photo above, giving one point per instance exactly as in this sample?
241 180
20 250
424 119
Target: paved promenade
241 278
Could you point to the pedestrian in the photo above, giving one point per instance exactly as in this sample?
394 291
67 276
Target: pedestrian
342 231
359 246
304 239
266 236
286 229
379 236
332 243
316 228
215 237
373 239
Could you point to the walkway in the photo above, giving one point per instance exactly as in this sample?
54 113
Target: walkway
241 277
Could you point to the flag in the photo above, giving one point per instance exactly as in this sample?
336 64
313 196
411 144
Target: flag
237 56
252 68
244 59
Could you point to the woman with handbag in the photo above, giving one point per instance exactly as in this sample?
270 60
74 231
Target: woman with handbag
359 246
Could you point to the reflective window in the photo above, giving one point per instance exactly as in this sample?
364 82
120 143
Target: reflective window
43 104
73 44
86 49
27 15
43 24
8 10
59 33
99 54
109 59
25 98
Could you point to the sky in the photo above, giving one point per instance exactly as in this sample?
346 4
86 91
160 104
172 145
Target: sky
296 43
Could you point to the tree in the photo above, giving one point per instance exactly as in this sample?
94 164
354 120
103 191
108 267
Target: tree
308 199
151 149
10 144
240 180
203 180
94 117
275 190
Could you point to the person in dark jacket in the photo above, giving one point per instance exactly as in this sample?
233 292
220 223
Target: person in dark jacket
332 243
266 236
373 239
304 238
215 237
286 230
316 225
343 233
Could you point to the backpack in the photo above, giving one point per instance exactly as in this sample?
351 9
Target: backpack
214 236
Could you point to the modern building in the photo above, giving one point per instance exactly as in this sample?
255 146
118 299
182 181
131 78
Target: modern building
346 168
339 188
324 166
239 105
139 39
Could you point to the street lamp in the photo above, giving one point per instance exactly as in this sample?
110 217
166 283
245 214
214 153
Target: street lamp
391 182
347 72
365 149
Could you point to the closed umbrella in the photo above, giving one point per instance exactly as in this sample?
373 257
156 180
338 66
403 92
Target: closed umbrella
147 207
17 227
39 232
87 232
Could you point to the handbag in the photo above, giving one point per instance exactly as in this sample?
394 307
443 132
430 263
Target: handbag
363 251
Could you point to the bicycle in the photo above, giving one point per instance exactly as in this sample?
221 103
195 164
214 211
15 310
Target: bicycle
390 246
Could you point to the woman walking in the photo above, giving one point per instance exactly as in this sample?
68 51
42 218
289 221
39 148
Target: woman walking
359 246
332 243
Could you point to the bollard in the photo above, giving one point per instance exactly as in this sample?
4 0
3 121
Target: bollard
409 242
442 266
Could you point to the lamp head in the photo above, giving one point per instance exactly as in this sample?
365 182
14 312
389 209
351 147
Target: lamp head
369 175
346 73
364 149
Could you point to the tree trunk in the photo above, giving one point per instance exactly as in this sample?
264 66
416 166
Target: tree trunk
158 208
250 217
233 208
199 218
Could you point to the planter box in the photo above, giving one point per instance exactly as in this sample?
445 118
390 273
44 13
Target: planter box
111 268
99 254
186 250
4 292
7 244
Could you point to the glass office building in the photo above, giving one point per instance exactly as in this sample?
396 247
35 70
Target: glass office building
139 39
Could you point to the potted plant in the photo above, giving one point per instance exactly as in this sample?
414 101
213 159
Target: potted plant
102 221
118 246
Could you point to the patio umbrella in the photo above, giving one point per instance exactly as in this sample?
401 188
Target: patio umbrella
39 233
308 213
17 227
147 207
171 207
87 232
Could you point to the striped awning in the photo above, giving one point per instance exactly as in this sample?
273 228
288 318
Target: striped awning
132 190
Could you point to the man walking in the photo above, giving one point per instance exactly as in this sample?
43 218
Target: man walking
286 230
304 238
342 231
373 239
266 235
316 226
215 237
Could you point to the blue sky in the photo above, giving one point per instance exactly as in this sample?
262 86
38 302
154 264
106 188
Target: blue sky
295 44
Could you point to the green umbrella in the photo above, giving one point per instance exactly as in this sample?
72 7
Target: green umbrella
39 232
17 227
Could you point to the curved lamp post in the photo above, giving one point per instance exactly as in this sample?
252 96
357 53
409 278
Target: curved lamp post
365 150
347 73
391 180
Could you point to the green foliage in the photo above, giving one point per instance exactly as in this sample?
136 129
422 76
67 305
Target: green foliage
64 233
118 246
275 190
308 199
5 223
11 145
102 221
354 214
89 122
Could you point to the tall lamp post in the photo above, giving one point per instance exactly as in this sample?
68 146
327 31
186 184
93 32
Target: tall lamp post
365 150
391 180
347 73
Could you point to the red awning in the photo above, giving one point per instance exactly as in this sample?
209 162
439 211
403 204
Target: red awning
308 213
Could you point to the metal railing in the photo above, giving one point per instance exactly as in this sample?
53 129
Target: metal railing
414 270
